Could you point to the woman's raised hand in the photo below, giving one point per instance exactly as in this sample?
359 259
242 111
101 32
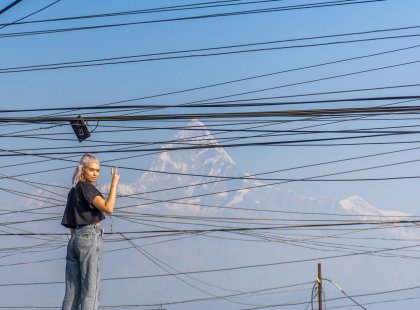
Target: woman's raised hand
114 175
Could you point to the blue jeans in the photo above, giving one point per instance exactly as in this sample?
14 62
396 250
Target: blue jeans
83 269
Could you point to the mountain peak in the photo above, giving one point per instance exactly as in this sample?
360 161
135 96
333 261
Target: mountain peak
358 205
196 123
199 160
194 133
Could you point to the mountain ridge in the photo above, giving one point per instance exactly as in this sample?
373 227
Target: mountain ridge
208 180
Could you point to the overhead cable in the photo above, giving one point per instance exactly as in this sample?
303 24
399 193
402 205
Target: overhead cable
189 18
193 6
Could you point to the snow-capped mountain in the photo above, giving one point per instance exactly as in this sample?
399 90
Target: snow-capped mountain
208 180
358 205
182 175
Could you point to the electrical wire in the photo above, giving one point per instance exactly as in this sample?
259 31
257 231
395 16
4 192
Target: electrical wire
17 22
8 7
158 10
189 18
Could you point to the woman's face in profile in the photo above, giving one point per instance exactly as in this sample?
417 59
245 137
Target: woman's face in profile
91 172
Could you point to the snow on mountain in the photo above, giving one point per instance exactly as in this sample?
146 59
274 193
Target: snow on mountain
181 175
358 205
181 180
178 181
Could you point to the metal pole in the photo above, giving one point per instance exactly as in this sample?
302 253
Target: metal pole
319 281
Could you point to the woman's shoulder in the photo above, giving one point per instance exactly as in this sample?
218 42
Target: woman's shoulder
84 184
87 187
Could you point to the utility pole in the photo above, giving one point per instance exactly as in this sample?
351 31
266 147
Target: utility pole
319 281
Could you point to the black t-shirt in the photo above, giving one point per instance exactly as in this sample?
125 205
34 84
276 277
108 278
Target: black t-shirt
79 209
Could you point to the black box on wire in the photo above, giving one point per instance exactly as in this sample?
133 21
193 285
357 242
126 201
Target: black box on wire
80 128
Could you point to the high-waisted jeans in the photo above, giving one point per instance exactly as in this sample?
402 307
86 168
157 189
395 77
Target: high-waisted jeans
83 269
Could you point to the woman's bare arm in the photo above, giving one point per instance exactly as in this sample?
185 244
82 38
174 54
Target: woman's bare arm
107 205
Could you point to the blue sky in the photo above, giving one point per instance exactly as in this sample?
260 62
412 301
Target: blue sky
91 86
99 85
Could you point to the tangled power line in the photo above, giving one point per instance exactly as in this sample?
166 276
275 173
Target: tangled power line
149 218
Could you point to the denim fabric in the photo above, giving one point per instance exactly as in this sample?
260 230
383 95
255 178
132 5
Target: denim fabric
83 269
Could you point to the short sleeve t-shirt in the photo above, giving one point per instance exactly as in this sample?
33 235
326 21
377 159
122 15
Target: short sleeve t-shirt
79 209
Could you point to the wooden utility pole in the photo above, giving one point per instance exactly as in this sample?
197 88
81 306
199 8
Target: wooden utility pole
319 281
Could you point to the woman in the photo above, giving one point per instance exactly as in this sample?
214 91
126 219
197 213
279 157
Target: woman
84 212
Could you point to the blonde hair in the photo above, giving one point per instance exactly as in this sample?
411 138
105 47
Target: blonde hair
83 162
